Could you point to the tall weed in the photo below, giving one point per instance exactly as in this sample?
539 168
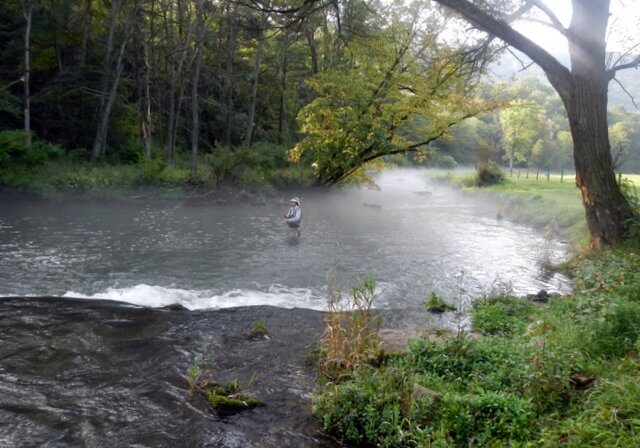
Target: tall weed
351 337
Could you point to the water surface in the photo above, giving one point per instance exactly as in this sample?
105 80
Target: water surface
417 236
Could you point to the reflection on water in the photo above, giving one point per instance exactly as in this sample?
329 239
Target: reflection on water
416 236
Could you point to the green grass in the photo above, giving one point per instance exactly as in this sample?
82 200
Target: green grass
549 204
545 204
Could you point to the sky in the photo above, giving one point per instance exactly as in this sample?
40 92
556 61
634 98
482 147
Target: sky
623 26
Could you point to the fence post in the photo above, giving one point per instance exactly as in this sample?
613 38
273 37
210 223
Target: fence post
561 175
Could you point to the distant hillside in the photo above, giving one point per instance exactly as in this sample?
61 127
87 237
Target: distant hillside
508 67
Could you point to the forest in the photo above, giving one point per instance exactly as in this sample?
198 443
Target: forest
264 94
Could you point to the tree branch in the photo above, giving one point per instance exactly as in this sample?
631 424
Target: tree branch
633 101
635 63
558 75
555 23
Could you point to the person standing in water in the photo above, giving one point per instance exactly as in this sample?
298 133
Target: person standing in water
293 218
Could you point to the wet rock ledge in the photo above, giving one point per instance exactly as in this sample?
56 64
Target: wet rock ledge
77 372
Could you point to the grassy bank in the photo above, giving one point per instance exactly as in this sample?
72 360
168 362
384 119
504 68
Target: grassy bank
563 373
544 202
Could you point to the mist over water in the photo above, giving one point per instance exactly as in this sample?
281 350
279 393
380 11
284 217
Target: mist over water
417 236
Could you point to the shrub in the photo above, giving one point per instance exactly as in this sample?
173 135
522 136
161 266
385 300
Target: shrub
15 154
377 409
151 171
489 173
491 363
486 418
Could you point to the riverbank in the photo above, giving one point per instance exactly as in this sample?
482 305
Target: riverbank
551 203
59 178
563 371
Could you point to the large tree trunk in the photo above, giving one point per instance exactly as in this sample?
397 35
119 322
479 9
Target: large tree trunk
607 211
583 90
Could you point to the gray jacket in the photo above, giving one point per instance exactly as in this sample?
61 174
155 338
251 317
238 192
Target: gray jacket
294 216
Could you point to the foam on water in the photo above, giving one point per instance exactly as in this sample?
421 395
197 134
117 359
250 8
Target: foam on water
159 296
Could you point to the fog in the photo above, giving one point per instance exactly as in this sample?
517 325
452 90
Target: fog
415 235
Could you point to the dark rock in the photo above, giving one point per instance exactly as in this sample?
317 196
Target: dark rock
542 296
581 381
175 307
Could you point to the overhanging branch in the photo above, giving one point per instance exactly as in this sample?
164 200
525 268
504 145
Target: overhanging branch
558 74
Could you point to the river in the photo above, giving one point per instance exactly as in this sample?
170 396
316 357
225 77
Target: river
89 356
414 235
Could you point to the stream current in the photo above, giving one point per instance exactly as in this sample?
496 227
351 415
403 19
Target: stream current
414 235
89 358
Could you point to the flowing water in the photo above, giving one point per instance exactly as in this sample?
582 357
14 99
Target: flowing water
415 236
79 369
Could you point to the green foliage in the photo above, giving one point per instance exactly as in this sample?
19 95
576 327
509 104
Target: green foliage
436 304
259 330
464 364
387 410
223 399
609 271
487 418
488 173
501 315
364 104
16 154
410 401
20 164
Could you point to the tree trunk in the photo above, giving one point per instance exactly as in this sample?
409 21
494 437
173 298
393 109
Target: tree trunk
104 85
105 114
195 131
283 128
229 70
85 34
145 125
313 48
248 138
28 14
607 211
583 91
175 104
